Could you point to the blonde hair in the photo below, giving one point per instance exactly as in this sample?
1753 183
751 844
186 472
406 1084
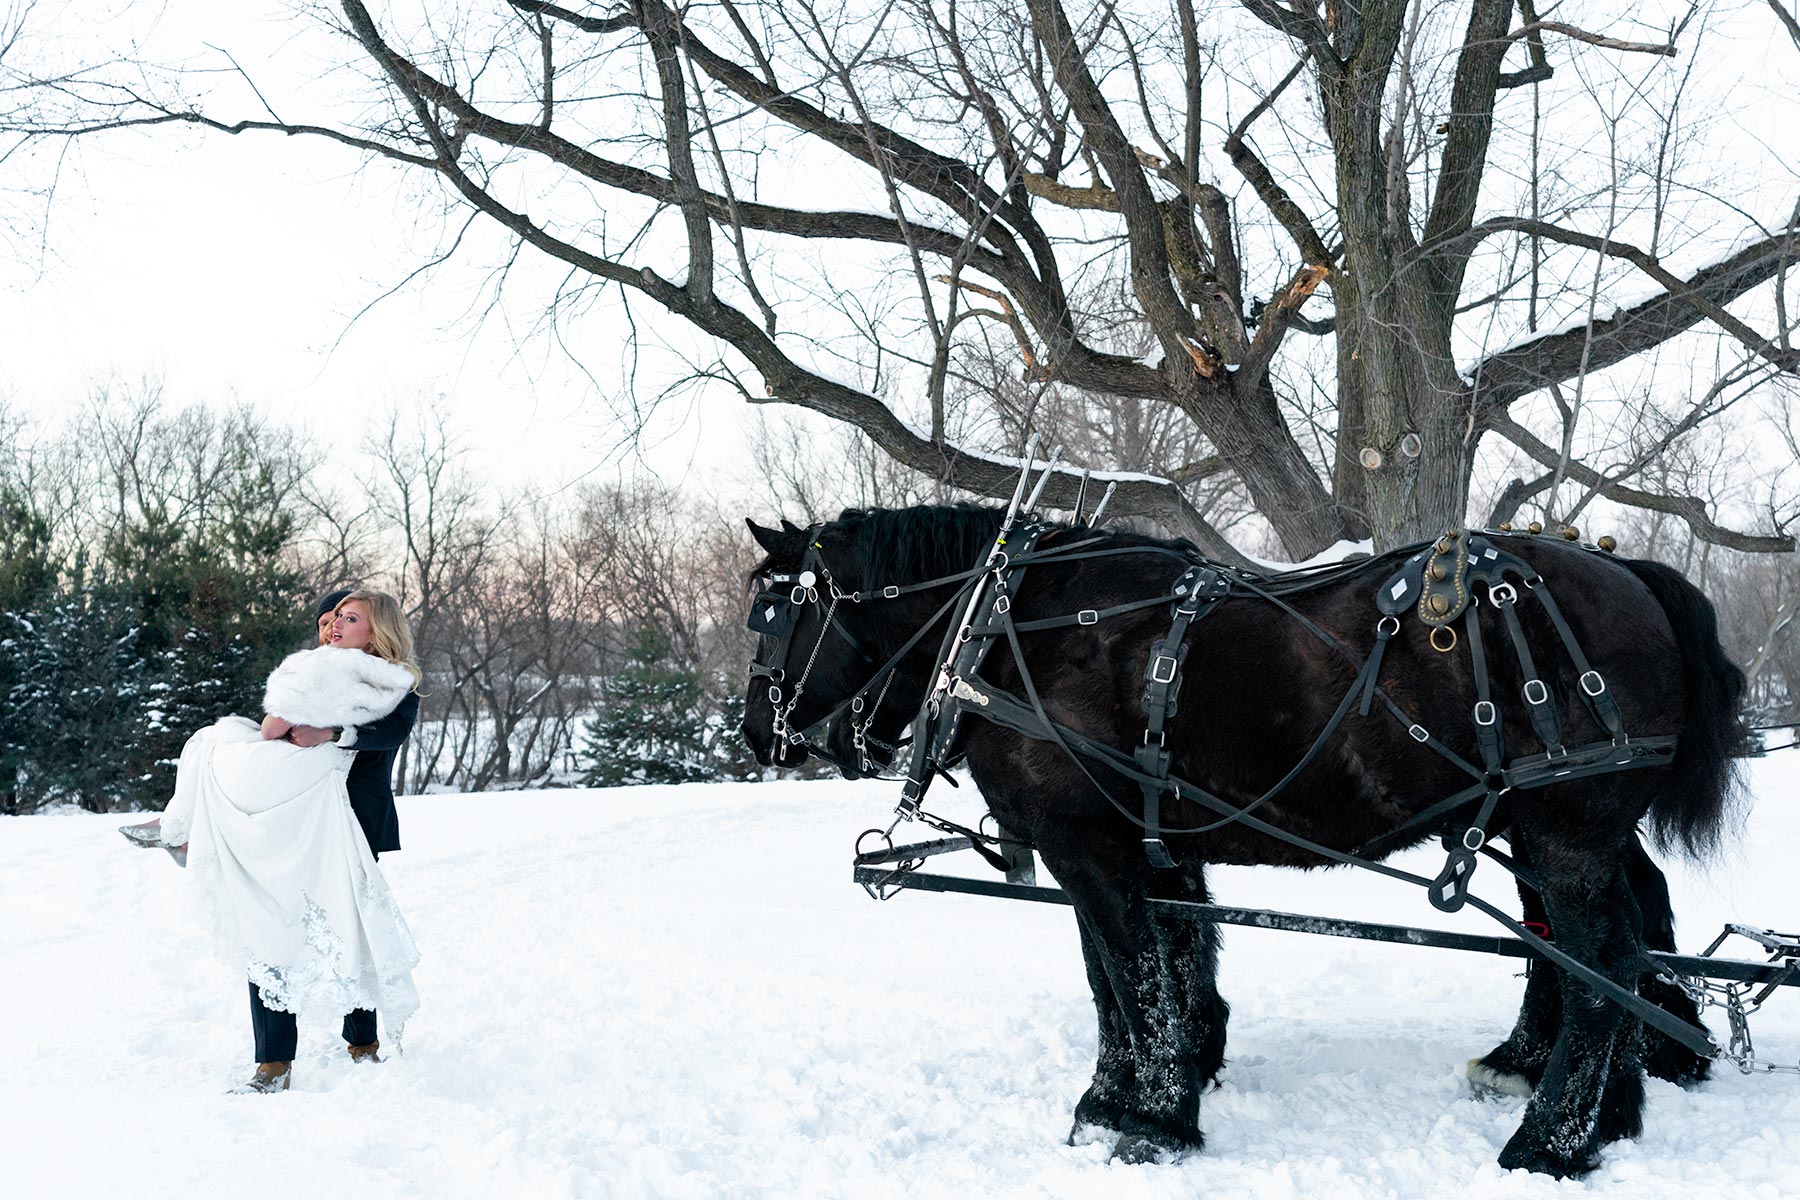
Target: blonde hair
390 636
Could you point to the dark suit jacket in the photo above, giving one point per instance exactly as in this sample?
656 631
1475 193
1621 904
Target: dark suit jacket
371 781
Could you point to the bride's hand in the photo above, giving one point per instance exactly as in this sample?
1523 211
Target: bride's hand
274 728
309 735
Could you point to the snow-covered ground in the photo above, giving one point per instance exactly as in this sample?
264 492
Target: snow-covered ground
678 992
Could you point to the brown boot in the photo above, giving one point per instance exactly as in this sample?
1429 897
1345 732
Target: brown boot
366 1053
269 1077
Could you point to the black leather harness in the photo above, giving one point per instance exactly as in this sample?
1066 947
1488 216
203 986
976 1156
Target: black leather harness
1440 584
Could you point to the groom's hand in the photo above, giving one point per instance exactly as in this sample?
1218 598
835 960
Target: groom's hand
309 735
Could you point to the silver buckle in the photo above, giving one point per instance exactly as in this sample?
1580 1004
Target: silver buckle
1157 668
1599 684
1002 604
1419 733
1087 616
1542 693
1492 714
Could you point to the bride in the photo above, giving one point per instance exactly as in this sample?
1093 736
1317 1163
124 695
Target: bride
285 870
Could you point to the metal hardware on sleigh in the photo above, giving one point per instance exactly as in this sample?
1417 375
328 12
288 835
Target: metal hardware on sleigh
1741 998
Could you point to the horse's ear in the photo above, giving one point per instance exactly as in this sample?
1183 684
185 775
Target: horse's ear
786 542
788 526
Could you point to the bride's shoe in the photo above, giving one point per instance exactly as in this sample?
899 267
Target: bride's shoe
148 835
268 1077
368 1053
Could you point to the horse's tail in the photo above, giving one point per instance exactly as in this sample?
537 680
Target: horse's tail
1696 807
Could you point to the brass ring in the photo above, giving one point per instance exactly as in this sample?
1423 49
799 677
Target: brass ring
1437 629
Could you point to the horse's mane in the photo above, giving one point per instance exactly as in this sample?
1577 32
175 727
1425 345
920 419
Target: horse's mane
906 545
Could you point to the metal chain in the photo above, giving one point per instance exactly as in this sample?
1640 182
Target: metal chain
1739 1004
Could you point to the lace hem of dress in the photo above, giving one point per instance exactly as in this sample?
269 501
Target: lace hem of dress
315 984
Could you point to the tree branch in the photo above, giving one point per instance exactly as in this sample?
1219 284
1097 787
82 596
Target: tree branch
1273 195
1689 508
1303 27
1519 370
1150 266
1666 49
1787 21
664 33
625 20
1471 129
1275 319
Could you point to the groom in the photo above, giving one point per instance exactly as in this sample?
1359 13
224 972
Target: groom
370 784
371 775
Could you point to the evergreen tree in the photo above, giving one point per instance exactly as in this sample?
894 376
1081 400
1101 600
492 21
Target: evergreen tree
80 701
652 729
27 583
726 751
217 607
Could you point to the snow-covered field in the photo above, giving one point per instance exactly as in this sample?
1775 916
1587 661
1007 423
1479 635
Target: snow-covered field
678 992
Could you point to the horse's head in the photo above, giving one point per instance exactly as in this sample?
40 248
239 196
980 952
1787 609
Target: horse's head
832 606
809 660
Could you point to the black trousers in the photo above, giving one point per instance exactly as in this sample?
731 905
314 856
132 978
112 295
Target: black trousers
278 1033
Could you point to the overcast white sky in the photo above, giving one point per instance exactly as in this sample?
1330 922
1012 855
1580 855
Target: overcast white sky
236 267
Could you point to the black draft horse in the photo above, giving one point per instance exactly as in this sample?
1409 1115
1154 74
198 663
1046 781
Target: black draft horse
1256 690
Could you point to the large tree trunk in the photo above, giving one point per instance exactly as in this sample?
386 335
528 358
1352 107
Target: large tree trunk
1395 374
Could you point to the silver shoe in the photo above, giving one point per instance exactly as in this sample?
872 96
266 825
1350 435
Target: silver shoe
148 835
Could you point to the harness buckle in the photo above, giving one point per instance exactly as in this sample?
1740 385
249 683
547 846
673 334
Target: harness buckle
890 592
1597 687
1087 616
1002 604
1535 692
774 695
1473 838
1382 629
1164 668
1161 738
1503 593
1419 732
1491 714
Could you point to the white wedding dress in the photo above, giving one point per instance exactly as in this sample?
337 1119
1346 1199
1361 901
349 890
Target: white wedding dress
291 889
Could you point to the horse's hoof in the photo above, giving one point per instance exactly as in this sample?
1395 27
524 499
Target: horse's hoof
1136 1149
1155 1147
1487 1082
1664 1057
1521 1154
1670 1060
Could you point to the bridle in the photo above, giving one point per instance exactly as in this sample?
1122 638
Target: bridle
775 614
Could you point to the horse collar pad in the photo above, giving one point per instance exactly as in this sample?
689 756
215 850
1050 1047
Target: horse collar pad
1434 582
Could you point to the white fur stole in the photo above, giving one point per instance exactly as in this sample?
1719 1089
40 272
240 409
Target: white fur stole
333 686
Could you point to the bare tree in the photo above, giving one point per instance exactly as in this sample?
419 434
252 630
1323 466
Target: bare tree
1236 165
443 536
